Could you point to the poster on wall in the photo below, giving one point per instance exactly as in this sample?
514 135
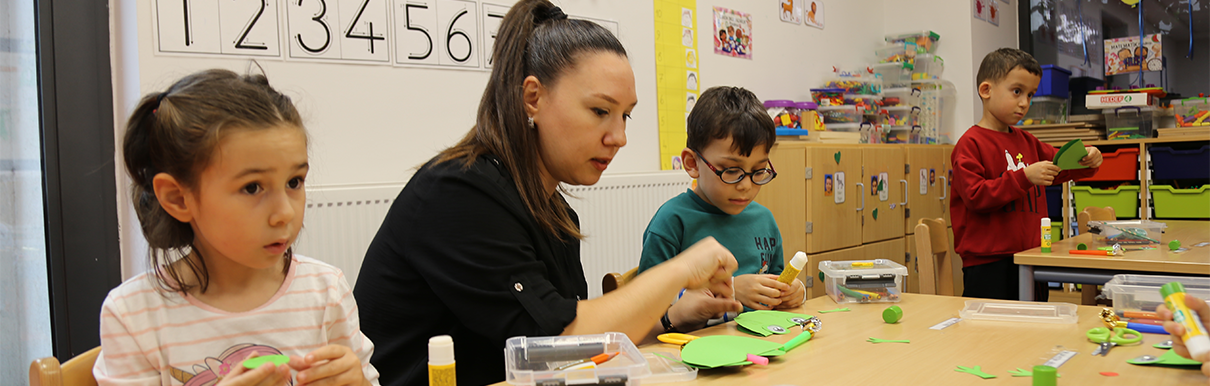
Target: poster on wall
979 9
1125 55
993 13
677 75
814 11
790 11
732 33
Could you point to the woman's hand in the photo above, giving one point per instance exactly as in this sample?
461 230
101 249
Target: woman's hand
707 264
331 365
698 306
1178 344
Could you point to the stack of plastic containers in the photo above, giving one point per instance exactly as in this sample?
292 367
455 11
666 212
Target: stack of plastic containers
850 102
913 95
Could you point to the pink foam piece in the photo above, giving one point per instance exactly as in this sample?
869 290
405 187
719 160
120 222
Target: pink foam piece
757 359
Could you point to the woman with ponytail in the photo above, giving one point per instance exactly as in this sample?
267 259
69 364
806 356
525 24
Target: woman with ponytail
481 244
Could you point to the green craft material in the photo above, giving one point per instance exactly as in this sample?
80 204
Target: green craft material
277 360
802 337
846 309
876 340
837 156
892 314
1169 358
1024 373
1082 247
974 371
758 322
726 350
1174 244
875 213
1045 375
1068 157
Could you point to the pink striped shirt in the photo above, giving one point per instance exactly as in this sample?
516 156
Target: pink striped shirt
151 337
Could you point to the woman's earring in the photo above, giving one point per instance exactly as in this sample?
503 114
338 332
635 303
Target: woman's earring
531 122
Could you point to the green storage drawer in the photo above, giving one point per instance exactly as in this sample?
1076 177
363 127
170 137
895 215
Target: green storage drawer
1123 199
1180 203
1056 231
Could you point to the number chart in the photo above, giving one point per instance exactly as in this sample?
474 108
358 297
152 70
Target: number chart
451 34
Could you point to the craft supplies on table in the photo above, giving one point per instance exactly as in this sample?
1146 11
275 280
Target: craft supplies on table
531 360
863 281
1127 232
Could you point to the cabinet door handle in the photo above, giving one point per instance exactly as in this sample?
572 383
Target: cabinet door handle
861 192
945 183
905 195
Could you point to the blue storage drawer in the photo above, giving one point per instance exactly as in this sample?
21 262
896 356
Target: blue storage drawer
1171 164
1054 82
1054 201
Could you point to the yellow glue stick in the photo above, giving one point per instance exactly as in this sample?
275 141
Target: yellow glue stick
791 271
1195 337
441 361
1045 235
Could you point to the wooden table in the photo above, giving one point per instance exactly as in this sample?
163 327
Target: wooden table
1085 269
840 355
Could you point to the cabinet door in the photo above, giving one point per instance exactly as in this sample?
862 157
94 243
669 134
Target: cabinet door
786 197
810 276
882 215
924 188
833 225
913 285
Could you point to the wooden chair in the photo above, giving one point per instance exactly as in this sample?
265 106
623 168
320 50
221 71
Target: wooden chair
933 257
1088 292
75 372
614 280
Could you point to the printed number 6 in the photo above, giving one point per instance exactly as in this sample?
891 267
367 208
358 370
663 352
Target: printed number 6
449 36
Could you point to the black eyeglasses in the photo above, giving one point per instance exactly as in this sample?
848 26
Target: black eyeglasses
733 175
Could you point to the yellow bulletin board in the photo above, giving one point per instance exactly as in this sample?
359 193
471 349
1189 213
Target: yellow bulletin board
676 72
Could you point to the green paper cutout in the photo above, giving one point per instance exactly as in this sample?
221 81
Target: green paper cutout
1169 358
875 213
1026 373
758 322
726 350
1068 157
1163 346
837 156
846 309
876 340
974 371
277 360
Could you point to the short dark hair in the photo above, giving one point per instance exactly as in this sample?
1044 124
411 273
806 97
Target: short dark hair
997 64
725 111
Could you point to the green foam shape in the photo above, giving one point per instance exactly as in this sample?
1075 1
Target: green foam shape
757 322
875 213
1070 154
277 360
726 350
1169 358
977 371
837 156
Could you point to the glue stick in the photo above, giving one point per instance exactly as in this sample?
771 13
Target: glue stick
1195 337
791 271
441 361
1046 235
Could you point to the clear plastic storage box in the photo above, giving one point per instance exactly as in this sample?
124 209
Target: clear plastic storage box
925 40
1192 112
840 114
900 96
863 281
1142 292
1031 312
530 360
1130 232
928 66
1046 110
1129 122
896 52
894 74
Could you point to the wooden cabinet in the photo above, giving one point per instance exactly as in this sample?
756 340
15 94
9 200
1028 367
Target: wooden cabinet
926 187
884 193
807 212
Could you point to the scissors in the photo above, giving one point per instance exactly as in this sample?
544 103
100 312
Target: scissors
676 338
1108 339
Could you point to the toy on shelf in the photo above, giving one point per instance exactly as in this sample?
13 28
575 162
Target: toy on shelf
828 96
923 40
1192 112
785 113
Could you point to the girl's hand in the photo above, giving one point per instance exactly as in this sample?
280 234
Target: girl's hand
331 365
759 292
794 297
267 374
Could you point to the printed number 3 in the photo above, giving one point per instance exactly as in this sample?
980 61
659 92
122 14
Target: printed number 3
327 31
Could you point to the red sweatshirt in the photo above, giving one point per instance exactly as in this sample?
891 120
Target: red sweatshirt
995 209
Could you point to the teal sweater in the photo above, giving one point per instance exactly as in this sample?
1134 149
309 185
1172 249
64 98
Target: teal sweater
751 235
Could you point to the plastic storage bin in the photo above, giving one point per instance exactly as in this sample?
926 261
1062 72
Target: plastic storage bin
828 96
863 99
530 360
925 40
901 134
928 66
1129 232
863 281
1046 110
785 114
856 85
1192 112
1180 203
900 96
1142 292
1054 203
1119 165
902 115
895 74
846 127
1171 164
840 114
896 52
1123 199
1054 82
1128 122
809 117
1032 312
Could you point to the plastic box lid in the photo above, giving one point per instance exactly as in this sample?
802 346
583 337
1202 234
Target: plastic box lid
1033 312
861 267
528 360
1142 292
1055 68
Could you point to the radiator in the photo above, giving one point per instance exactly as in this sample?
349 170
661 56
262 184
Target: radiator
341 221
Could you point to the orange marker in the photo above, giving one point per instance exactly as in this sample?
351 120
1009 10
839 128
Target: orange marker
585 363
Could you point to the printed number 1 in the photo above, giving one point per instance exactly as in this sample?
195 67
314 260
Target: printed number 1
369 36
188 27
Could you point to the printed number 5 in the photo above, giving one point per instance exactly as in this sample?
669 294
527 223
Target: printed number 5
407 14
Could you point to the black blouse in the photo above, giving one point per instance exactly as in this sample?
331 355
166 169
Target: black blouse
458 254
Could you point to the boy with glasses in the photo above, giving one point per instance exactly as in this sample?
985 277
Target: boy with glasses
730 135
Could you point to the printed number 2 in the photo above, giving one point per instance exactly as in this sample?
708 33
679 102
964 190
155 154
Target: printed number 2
323 10
407 15
240 43
368 36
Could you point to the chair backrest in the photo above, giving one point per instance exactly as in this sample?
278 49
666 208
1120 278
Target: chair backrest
614 280
1093 213
933 257
75 372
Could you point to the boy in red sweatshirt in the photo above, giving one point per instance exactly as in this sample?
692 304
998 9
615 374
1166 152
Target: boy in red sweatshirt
1000 174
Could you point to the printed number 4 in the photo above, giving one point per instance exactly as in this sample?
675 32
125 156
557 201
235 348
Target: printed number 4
368 36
